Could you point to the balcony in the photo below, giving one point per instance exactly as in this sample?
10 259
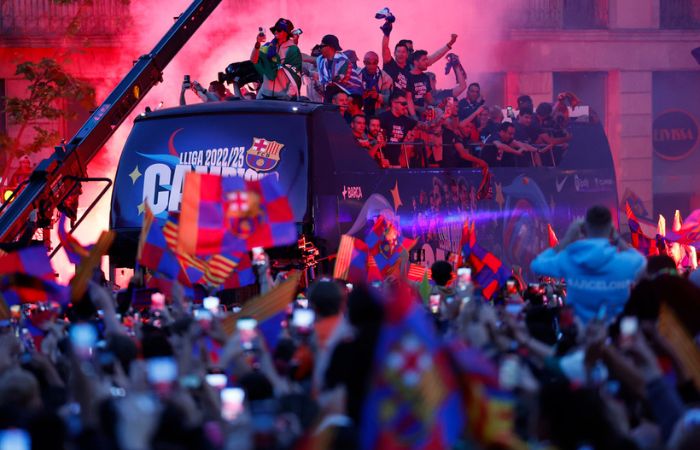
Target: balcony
47 20
561 14
680 14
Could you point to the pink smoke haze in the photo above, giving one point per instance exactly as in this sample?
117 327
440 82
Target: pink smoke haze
229 33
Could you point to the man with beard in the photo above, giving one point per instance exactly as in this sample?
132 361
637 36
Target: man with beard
396 125
419 92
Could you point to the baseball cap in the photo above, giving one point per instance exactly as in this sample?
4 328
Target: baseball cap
331 41
283 25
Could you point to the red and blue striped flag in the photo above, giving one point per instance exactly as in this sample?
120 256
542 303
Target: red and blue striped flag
32 261
219 212
489 272
19 288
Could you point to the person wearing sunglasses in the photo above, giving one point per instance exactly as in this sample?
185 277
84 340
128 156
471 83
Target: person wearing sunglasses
396 125
279 63
334 68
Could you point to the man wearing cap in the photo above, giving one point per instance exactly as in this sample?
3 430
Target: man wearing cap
334 68
279 63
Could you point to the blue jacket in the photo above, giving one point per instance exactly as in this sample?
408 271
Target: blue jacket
597 274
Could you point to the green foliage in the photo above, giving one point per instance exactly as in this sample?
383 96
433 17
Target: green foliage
49 86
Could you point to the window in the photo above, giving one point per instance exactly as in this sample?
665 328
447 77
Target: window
558 14
680 14
77 116
585 14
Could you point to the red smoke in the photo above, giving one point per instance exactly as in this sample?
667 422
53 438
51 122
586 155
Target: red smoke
227 36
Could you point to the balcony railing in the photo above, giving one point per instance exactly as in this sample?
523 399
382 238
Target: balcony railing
680 14
48 19
561 14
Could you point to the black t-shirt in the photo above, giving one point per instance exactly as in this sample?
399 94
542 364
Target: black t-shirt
450 157
398 74
395 130
527 134
465 108
495 157
491 129
418 86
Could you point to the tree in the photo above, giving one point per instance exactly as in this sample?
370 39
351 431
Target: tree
49 85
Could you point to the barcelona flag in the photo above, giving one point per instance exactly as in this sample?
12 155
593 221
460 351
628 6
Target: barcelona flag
219 212
32 261
489 272
26 276
490 410
19 288
155 255
646 246
413 400
387 247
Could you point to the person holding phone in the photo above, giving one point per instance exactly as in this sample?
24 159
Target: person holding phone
599 267
279 63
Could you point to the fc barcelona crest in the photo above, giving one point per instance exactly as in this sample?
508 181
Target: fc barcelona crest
263 155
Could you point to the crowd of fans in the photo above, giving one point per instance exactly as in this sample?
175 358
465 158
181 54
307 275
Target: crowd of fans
419 125
583 359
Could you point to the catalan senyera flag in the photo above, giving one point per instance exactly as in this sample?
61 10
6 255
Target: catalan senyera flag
413 400
489 272
553 240
352 260
640 241
231 270
266 306
219 212
387 247
74 249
